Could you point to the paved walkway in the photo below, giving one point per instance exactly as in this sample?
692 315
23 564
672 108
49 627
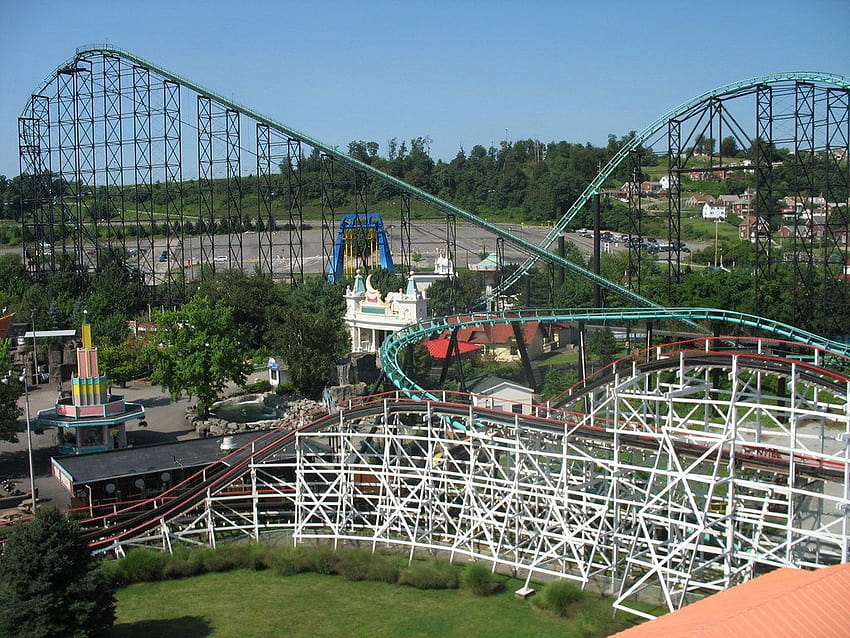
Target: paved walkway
166 424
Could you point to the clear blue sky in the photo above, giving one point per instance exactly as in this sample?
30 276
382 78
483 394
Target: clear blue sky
461 72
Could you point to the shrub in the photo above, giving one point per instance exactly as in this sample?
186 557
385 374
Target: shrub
598 620
557 596
477 578
436 574
285 561
366 565
143 565
320 559
353 565
259 386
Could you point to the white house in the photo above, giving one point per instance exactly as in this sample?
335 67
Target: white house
500 394
713 212
667 182
370 319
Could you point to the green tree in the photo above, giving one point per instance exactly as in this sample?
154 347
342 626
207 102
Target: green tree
10 390
200 352
728 147
447 296
124 360
311 335
50 584
602 345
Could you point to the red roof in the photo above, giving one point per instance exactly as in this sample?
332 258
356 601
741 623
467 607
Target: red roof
787 602
5 324
496 334
440 347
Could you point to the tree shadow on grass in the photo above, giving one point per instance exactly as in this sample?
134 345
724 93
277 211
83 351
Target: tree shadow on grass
169 628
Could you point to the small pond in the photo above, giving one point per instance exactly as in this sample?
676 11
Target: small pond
244 412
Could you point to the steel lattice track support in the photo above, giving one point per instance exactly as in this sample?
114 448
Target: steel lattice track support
836 299
675 163
270 156
764 207
362 182
295 159
635 214
329 203
206 215
36 211
112 194
405 248
143 167
172 185
804 230
86 190
451 253
233 206
67 207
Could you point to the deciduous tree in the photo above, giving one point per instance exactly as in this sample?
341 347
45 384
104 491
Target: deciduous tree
198 351
310 333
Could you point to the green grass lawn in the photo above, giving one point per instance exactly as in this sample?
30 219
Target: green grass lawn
262 603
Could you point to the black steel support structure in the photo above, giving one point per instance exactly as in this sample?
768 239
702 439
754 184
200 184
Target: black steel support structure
808 225
295 209
764 208
835 299
329 200
143 171
405 263
233 176
36 208
172 185
111 195
675 163
206 187
635 216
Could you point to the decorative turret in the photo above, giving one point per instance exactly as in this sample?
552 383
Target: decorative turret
90 420
87 386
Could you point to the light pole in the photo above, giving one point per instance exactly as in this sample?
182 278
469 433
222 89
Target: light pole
23 379
29 441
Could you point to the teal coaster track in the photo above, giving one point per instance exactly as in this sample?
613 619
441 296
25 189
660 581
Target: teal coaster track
394 346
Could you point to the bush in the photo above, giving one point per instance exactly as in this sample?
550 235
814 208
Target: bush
477 578
320 559
259 386
436 574
285 561
557 596
143 565
365 565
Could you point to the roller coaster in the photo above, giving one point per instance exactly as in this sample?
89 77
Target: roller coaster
676 472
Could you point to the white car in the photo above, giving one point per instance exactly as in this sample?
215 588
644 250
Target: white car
220 258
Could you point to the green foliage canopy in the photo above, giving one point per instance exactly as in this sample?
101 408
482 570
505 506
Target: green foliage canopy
310 333
199 352
50 584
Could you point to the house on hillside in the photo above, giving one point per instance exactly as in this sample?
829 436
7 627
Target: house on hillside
698 200
752 226
713 212
667 182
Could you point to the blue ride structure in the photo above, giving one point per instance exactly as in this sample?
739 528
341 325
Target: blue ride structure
361 242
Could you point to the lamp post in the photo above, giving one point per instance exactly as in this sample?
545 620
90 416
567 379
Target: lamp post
23 379
29 442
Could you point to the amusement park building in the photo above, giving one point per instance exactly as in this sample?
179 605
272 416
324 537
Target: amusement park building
370 318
